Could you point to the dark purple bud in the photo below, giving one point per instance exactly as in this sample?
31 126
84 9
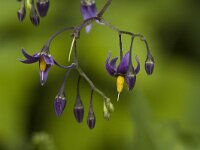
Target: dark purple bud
35 19
42 7
91 120
78 109
21 13
130 77
59 104
149 65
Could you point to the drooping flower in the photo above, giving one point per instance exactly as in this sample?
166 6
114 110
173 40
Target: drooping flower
45 62
124 72
88 10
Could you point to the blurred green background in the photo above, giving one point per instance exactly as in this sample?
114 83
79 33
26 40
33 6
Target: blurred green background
161 113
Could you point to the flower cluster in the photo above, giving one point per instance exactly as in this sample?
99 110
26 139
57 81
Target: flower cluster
42 8
123 72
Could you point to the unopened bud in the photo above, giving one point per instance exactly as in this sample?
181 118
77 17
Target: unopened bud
35 19
91 120
78 109
59 104
149 65
42 7
21 13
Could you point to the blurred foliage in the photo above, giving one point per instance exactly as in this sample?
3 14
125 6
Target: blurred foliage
162 112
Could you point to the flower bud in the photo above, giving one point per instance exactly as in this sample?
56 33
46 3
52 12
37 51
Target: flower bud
91 118
106 112
78 109
108 106
149 65
42 7
59 104
21 13
35 19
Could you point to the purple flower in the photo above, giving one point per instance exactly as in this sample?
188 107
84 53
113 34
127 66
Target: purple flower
124 71
45 62
88 10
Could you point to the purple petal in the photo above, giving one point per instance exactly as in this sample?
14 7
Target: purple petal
59 105
29 61
111 67
88 28
92 10
123 66
26 54
88 11
84 12
48 59
44 75
138 65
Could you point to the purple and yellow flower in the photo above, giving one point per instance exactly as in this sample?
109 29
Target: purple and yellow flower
124 72
45 62
88 10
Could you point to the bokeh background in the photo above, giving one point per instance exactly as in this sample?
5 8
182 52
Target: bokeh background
161 113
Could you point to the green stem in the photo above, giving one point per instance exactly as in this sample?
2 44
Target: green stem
105 7
91 83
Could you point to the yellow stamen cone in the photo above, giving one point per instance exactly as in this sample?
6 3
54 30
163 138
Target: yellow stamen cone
120 85
42 64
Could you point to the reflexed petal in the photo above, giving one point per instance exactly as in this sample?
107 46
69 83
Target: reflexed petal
59 105
48 59
44 75
27 55
123 66
111 67
138 65
29 61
